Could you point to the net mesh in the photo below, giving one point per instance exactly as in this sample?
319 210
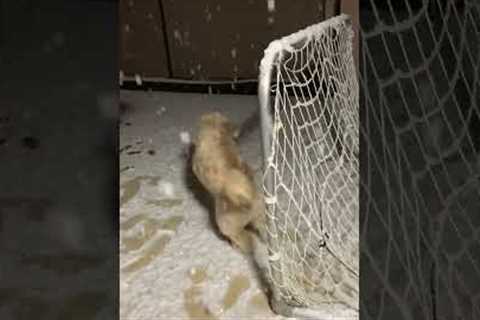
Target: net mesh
419 138
309 98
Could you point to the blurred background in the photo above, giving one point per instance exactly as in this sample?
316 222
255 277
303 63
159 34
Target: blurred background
59 172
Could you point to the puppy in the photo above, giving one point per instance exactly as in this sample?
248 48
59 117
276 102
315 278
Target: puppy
217 165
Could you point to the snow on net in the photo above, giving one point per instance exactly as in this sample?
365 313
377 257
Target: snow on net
309 102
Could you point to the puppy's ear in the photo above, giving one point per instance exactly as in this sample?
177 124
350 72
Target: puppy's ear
231 129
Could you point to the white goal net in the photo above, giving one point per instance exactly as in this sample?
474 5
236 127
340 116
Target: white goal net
419 138
308 95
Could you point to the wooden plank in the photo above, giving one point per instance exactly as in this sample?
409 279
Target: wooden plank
352 8
142 41
225 39
331 8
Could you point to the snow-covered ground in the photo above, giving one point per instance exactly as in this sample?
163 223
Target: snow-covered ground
173 263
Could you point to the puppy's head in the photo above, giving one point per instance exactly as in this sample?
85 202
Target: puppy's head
218 122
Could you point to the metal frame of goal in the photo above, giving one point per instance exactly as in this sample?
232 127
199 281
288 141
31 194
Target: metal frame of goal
308 95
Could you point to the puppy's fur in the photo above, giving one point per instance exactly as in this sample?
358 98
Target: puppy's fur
218 166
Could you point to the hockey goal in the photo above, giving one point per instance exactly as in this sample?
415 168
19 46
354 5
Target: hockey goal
308 96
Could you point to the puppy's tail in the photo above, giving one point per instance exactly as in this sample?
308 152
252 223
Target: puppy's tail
239 189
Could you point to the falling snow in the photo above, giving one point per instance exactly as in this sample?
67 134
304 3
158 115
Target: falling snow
138 80
208 14
271 5
161 111
121 77
178 36
185 137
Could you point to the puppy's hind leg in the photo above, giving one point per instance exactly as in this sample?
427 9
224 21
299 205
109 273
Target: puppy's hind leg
258 216
232 225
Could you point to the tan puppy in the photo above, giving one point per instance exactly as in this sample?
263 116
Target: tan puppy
218 166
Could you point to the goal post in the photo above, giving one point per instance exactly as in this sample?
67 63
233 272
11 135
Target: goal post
308 94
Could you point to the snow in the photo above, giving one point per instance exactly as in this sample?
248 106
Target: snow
190 270
121 76
271 5
177 36
185 137
208 14
138 79
161 111
167 189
